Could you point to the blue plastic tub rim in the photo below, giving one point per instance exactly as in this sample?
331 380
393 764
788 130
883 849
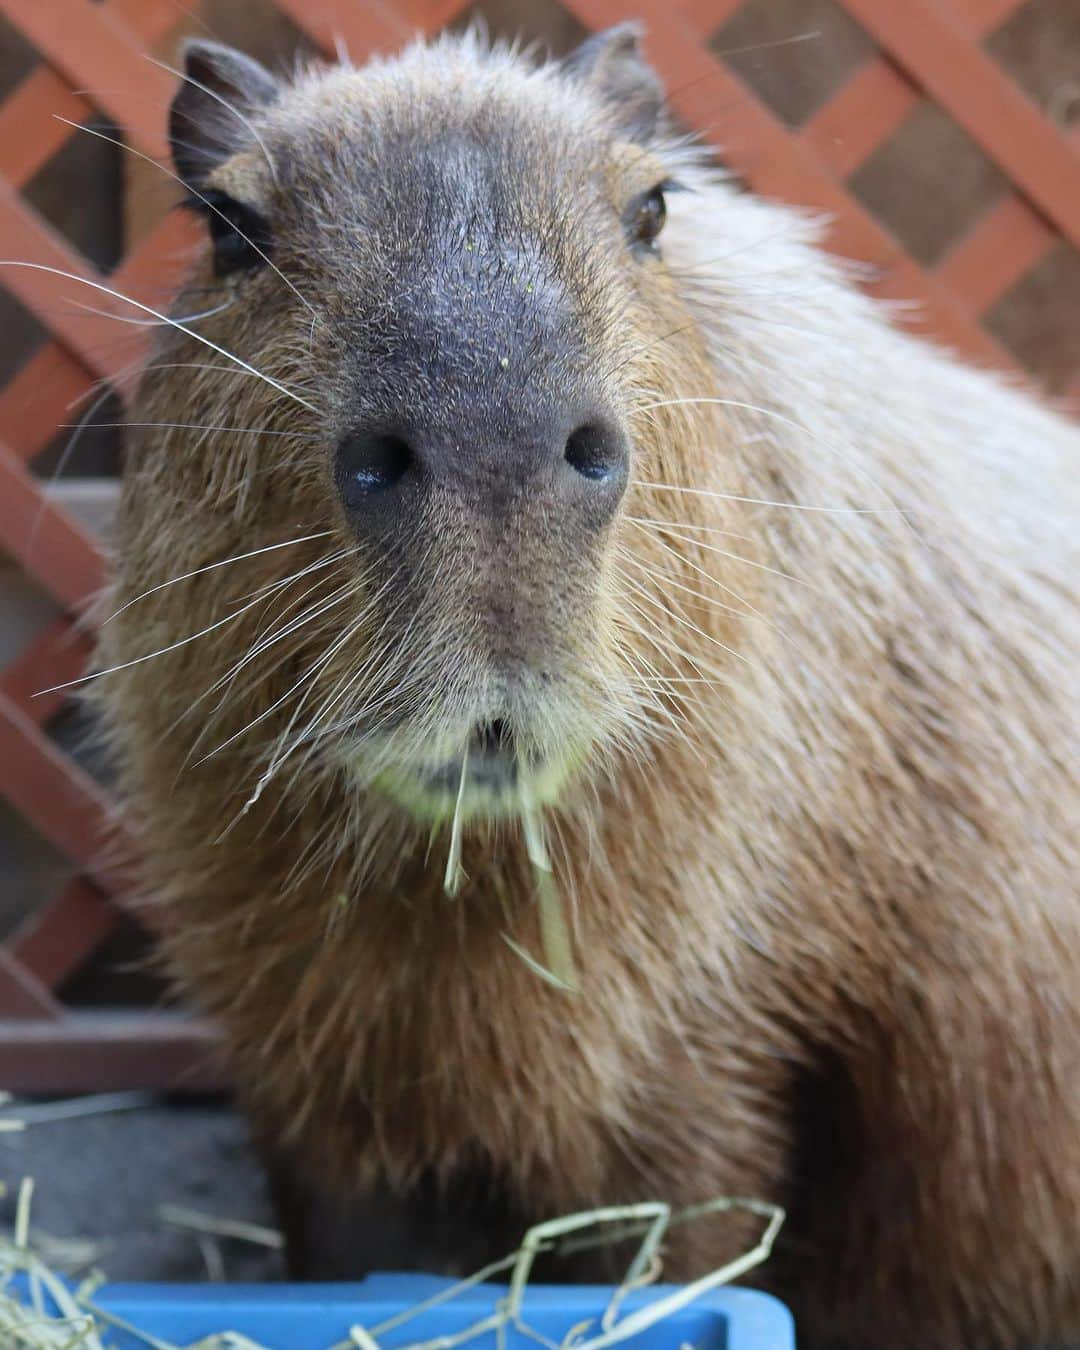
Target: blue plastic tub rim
315 1316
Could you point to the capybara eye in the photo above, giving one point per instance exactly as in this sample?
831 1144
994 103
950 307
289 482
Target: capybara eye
646 217
241 237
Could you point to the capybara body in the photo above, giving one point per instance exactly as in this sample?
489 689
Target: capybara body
502 531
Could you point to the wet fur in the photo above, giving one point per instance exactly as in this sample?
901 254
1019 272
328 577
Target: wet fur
822 862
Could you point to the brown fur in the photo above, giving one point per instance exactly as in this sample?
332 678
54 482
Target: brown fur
821 859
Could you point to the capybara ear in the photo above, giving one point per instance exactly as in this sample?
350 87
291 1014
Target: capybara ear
612 63
209 117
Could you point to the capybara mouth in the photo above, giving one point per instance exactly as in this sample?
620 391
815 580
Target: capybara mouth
490 763
491 776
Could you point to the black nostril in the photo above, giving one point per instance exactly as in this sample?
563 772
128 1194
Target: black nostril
371 462
595 451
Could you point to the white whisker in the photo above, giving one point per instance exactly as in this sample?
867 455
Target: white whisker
138 660
762 501
150 323
210 567
735 557
785 421
200 426
146 309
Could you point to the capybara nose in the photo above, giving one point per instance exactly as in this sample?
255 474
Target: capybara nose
387 470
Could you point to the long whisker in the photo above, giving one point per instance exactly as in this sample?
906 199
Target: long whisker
200 426
344 593
161 651
687 623
151 323
669 580
664 643
686 525
785 421
210 567
762 501
723 552
263 640
269 637
146 309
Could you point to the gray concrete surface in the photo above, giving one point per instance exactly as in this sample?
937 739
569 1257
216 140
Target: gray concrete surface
102 1178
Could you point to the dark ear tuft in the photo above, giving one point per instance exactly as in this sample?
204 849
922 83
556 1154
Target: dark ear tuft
208 120
612 64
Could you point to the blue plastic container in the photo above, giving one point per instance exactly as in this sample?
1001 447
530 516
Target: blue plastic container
311 1317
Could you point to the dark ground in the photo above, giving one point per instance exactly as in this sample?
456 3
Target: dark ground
102 1177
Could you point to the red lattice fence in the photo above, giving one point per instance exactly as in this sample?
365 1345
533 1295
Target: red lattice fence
922 50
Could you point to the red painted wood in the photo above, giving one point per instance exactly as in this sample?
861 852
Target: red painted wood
712 98
982 16
30 129
58 654
56 940
27 238
363 29
22 994
935 50
152 273
44 392
30 132
95 50
61 801
153 20
860 116
44 540
1004 245
110 1052
709 15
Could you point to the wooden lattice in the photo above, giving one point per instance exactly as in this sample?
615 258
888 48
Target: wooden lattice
924 49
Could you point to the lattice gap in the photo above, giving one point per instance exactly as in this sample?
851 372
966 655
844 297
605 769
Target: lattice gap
794 54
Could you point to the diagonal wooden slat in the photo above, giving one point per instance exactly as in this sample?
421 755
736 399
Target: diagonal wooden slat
96 51
62 802
1002 247
152 272
43 393
30 239
362 29
45 541
30 129
709 15
859 117
938 52
22 994
54 942
873 103
982 16
152 20
50 387
56 656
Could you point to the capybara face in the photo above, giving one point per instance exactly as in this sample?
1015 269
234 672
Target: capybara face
444 279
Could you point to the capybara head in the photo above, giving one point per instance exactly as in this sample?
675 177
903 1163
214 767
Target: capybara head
443 334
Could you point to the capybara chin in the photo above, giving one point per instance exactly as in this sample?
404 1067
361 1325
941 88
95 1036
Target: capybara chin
597 703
